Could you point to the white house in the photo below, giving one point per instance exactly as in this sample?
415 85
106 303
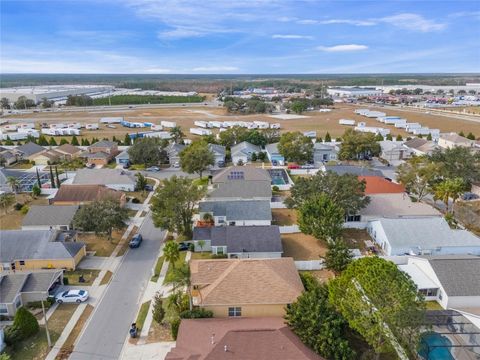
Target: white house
394 150
219 152
453 281
422 236
243 151
324 152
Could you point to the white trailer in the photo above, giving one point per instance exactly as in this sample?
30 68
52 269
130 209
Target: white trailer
325 110
372 129
200 131
111 120
361 111
346 122
10 127
202 124
275 126
393 121
19 135
401 124
168 124
215 124
75 125
251 125
310 134
57 126
262 124
156 127
93 126
411 126
159 134
26 125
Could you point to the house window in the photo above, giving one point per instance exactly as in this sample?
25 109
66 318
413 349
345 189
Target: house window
3 309
22 262
220 250
350 218
234 311
428 292
440 294
18 302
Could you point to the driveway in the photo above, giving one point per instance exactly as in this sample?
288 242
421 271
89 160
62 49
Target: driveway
105 334
168 173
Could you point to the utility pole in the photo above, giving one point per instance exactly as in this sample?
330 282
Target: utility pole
46 325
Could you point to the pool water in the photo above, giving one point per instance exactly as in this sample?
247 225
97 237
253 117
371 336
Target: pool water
278 181
429 350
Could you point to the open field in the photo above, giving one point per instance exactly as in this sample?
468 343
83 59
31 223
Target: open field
185 117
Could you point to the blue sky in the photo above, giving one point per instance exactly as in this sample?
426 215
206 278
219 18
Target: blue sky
239 36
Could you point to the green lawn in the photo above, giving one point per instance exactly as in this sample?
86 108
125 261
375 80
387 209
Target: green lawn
36 347
88 275
137 167
201 182
142 314
111 165
433 305
178 263
201 256
158 268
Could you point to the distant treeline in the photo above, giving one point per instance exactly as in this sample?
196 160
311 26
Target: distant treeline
146 99
217 83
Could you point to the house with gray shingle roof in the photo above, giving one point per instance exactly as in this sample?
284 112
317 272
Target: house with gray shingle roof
240 241
453 280
422 236
29 149
238 212
219 152
241 190
46 217
115 179
20 288
38 249
242 152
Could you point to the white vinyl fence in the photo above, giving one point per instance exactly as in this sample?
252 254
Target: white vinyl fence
310 265
289 229
278 205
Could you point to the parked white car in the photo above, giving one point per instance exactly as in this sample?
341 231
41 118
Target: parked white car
72 296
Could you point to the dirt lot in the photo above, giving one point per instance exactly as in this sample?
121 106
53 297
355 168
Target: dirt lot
185 117
13 218
303 247
355 238
284 217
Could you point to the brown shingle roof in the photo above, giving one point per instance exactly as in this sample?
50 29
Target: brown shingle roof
68 149
246 281
85 193
246 339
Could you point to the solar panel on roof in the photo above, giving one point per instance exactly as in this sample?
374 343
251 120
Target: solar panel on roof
236 175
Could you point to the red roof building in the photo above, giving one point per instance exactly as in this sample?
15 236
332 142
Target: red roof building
379 185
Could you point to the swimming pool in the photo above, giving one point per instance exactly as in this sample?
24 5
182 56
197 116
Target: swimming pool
434 346
279 176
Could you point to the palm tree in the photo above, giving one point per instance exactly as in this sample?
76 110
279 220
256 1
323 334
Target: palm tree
14 184
181 279
171 252
457 187
6 200
442 193
177 134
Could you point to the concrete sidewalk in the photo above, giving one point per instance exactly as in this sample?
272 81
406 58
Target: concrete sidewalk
150 351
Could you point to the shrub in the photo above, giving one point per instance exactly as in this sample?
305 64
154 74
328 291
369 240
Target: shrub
5 356
24 209
65 281
18 206
174 325
219 256
275 188
13 335
191 247
196 314
158 312
25 322
135 201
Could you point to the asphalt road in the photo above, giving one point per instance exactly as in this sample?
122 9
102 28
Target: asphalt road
108 328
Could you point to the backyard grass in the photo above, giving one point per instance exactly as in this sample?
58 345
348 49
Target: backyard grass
21 166
303 247
140 195
158 268
36 347
67 347
110 165
106 278
88 275
201 256
178 263
100 244
284 217
137 167
355 238
12 220
323 275
142 314
433 305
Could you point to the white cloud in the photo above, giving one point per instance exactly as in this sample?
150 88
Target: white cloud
215 69
307 22
348 22
180 33
413 22
292 36
342 48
